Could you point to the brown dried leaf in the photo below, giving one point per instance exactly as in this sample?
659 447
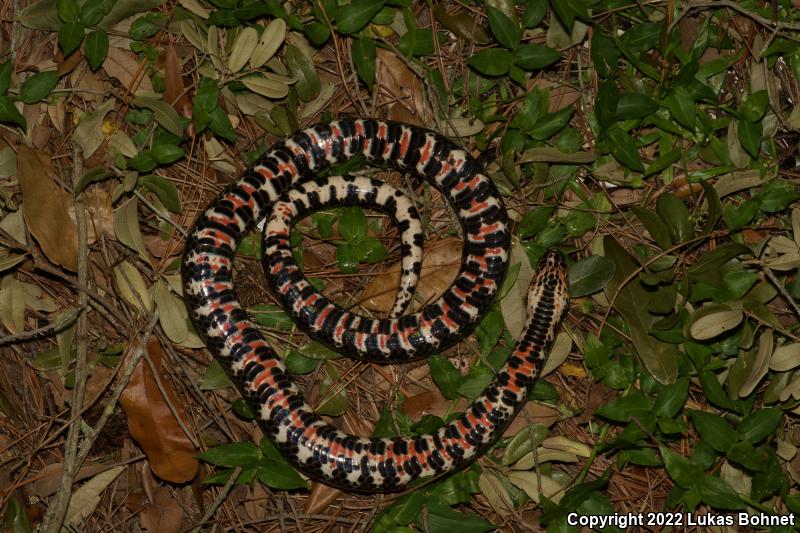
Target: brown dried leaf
151 423
44 204
394 76
123 66
163 515
440 265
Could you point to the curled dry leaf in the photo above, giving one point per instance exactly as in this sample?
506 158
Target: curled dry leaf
151 422
440 265
44 208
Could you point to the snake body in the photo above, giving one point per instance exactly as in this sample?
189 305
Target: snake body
315 447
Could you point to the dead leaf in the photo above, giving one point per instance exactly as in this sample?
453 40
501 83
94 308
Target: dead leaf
440 265
393 75
123 66
45 206
163 515
151 423
85 500
47 481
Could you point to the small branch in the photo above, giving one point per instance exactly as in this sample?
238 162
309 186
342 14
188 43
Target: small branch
57 511
218 500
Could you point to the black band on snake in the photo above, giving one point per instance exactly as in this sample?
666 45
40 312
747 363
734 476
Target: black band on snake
314 447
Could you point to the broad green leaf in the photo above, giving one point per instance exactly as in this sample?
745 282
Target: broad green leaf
96 48
70 36
10 114
364 53
714 430
759 424
491 61
506 31
634 105
624 149
535 56
682 107
590 275
164 189
749 135
308 84
38 86
676 216
352 17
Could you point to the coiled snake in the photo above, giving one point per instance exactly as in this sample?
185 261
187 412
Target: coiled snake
314 447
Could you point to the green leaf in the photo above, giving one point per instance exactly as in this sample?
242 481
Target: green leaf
624 149
441 518
535 56
221 125
551 123
568 10
506 31
682 107
363 51
714 430
357 14
308 84
10 114
298 363
164 189
280 475
92 12
759 424
605 54
717 493
37 87
68 10
445 375
244 454
755 106
634 405
167 153
6 68
589 275
749 134
491 61
682 472
96 48
676 216
669 401
346 258
635 105
147 26
353 224
93 175
654 225
535 11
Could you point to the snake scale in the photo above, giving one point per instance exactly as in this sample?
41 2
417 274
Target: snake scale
314 446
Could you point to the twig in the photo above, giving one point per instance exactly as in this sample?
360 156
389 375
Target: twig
49 329
218 500
54 518
778 285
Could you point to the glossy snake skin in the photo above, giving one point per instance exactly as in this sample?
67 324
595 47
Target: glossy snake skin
315 447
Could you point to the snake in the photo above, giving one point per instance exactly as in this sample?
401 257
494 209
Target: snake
285 184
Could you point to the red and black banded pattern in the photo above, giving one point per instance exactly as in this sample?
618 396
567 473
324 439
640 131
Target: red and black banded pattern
315 447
